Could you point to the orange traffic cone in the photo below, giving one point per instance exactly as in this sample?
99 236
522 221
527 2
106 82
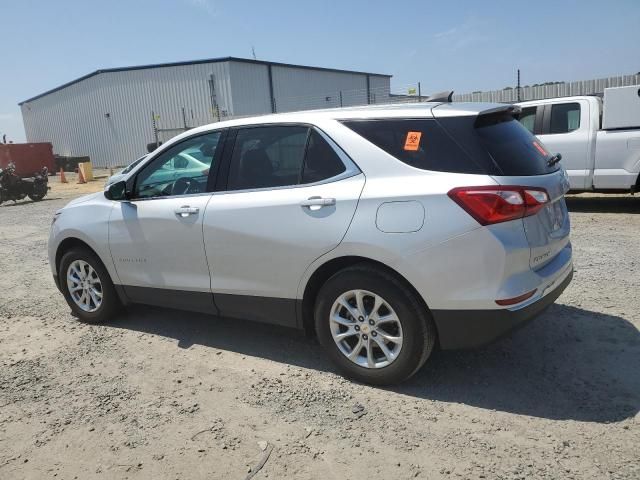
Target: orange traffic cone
63 179
81 176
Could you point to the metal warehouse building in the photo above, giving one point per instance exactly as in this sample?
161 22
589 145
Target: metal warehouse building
111 115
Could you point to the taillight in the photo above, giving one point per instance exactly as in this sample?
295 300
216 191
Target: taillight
512 301
495 204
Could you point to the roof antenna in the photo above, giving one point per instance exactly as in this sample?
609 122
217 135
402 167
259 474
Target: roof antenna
253 52
445 96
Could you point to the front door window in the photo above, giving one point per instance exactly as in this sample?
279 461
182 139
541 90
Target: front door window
181 170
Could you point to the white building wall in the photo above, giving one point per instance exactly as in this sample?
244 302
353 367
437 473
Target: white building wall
306 89
73 118
250 87
380 89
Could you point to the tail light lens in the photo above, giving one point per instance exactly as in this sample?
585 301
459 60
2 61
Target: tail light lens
512 301
495 204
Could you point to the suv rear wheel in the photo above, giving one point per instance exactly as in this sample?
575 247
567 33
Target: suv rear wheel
372 327
87 287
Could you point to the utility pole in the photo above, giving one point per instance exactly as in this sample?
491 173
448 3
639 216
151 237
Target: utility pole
155 127
518 86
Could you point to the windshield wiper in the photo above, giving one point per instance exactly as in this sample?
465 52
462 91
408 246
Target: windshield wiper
553 160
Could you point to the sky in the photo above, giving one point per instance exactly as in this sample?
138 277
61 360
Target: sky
464 45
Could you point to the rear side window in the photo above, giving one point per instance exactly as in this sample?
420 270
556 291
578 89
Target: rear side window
321 161
267 157
565 117
279 156
421 143
492 144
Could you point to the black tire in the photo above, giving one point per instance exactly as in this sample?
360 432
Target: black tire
38 194
110 301
419 332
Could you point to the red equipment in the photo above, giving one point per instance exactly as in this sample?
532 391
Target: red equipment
27 157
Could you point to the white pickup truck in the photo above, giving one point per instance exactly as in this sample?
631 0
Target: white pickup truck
599 140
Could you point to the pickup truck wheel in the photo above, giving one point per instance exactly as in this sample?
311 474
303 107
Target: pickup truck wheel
372 327
87 287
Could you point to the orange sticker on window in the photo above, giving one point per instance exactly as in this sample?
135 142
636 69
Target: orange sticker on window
412 143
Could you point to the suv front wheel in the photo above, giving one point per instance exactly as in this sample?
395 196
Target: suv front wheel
87 287
372 326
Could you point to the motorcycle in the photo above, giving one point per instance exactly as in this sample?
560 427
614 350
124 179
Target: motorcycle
12 187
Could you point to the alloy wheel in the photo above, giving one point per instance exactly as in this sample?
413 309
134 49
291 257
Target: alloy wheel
366 329
84 286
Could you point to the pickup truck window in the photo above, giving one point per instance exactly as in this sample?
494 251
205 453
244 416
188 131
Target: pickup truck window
565 117
528 118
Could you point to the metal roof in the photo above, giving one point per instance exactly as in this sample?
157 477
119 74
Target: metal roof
196 62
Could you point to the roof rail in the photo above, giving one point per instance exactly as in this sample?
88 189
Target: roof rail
445 96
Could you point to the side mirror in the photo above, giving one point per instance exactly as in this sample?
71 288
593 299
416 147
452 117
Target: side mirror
116 191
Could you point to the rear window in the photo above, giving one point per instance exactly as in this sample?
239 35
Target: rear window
513 148
494 144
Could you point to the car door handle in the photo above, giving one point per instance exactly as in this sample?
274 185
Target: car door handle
186 210
318 202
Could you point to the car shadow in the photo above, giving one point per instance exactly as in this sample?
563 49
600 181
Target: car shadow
568 364
603 204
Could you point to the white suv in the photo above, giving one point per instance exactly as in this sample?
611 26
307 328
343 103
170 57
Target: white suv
387 230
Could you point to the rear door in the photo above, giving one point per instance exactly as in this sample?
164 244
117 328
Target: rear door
289 198
548 230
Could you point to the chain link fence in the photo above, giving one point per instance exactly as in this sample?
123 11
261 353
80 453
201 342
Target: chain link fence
549 90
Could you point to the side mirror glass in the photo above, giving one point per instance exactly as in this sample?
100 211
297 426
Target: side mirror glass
116 191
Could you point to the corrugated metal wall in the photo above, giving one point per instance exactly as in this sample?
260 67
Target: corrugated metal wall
250 87
380 89
74 118
584 87
303 89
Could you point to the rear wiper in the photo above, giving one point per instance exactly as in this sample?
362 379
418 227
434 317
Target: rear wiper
553 160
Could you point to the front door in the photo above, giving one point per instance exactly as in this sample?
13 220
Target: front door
156 237
289 199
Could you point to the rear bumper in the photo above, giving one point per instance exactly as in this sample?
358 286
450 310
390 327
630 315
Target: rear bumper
461 329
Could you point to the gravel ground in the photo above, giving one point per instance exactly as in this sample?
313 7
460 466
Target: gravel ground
166 394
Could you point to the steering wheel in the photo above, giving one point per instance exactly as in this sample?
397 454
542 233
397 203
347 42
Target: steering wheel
183 186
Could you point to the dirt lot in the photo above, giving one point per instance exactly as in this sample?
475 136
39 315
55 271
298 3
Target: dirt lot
166 394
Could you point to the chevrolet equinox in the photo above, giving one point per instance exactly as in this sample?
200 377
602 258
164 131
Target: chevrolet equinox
388 230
